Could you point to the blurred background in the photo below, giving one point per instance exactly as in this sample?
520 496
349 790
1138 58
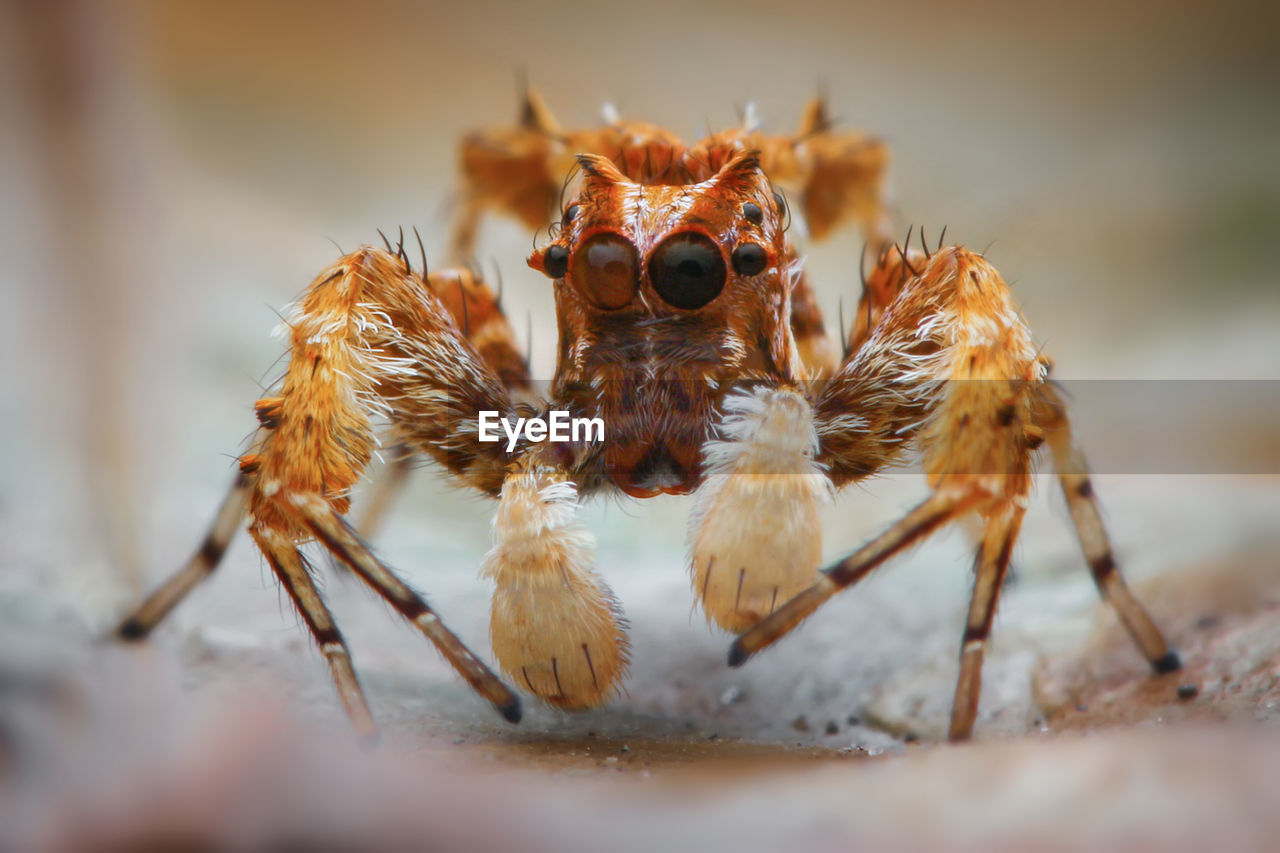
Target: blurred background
174 173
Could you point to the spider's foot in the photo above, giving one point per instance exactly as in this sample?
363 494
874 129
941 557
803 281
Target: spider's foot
132 630
1171 661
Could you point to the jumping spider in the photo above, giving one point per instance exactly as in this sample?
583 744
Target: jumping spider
685 323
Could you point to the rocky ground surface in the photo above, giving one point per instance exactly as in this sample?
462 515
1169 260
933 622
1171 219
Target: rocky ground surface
835 734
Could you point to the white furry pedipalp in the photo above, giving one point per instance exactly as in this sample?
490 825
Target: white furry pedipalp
555 625
755 531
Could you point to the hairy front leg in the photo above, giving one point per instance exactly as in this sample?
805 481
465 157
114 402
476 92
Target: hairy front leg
368 340
951 365
477 311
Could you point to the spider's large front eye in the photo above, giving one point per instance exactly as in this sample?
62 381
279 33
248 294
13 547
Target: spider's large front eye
606 269
687 270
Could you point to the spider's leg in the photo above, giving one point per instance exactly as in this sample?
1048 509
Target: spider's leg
556 627
990 567
342 541
951 365
1073 475
138 624
812 342
839 176
931 514
892 270
369 339
512 170
292 570
477 311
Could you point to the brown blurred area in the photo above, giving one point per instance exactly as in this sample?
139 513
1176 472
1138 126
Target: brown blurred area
173 173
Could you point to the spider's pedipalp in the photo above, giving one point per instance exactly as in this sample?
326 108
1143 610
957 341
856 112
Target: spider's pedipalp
555 625
761 468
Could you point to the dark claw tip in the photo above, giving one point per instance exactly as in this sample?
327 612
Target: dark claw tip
737 656
131 629
511 711
1171 662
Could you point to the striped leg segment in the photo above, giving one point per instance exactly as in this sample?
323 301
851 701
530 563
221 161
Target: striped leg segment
934 512
331 529
294 575
990 567
139 624
1073 476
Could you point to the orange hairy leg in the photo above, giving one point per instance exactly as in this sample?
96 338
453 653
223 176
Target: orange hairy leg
477 311
368 340
951 366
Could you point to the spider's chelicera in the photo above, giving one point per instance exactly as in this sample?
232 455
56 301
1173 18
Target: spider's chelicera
688 334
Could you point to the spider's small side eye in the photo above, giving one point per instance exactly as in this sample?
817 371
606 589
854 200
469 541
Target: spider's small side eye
750 259
556 261
687 270
780 202
753 213
570 213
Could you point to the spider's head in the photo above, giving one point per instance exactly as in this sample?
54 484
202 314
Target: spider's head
666 297
692 253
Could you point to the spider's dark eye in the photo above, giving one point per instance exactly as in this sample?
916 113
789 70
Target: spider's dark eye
753 213
570 213
687 270
750 259
780 202
606 269
555 261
